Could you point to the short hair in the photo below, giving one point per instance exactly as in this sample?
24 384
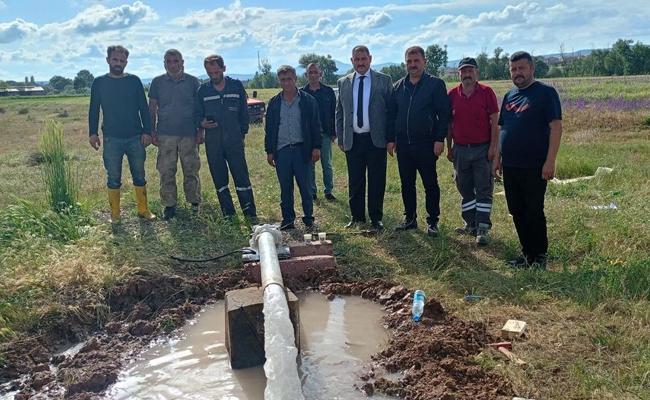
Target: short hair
521 55
360 48
118 48
213 59
414 50
173 53
286 69
314 65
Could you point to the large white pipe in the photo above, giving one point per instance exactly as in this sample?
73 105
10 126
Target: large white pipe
282 380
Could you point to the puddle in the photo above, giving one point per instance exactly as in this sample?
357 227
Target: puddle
337 339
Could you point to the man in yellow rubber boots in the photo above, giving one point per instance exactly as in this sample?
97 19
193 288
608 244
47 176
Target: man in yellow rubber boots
126 125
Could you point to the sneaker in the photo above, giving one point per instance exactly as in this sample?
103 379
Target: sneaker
466 230
330 197
482 237
539 261
407 224
309 224
169 213
519 262
432 230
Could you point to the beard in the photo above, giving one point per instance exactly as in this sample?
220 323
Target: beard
116 70
216 81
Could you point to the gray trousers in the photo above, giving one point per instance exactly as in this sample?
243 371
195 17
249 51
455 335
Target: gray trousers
473 177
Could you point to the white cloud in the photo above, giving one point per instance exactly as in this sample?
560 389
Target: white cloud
15 30
372 21
99 18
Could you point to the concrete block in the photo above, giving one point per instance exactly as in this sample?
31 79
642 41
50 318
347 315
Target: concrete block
292 267
315 248
513 329
245 325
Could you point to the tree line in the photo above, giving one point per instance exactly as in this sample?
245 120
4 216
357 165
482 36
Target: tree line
625 57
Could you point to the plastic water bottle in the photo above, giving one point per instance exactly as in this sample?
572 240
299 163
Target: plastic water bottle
418 305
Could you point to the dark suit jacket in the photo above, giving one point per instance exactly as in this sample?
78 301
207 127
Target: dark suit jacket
380 92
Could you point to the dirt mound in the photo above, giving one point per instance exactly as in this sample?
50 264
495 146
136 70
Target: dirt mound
434 358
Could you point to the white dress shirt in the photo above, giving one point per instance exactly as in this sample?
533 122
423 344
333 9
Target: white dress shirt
366 102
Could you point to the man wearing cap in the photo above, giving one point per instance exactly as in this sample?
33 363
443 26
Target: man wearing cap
222 111
531 129
471 146
171 104
418 120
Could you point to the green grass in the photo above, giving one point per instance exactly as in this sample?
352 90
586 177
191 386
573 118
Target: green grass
589 315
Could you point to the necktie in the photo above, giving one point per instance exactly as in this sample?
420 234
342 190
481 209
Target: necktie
360 102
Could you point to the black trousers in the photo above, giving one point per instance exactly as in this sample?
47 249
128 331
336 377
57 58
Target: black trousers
413 159
365 156
525 190
227 152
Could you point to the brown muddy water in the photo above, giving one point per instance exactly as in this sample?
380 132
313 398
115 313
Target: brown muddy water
337 340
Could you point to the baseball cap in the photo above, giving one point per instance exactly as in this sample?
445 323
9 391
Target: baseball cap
467 62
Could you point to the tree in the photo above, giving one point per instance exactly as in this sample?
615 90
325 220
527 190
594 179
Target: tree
541 68
83 80
326 64
395 71
436 59
264 78
58 83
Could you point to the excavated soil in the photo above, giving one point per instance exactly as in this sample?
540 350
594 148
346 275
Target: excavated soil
432 359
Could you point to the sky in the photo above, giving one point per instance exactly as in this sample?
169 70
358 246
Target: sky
48 37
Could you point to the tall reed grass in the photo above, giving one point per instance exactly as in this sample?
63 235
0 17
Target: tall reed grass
61 180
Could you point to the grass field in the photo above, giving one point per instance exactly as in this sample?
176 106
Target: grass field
589 315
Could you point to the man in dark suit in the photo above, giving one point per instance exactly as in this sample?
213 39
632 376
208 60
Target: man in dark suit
361 119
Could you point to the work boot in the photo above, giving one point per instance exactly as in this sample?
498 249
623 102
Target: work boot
195 208
466 230
539 261
519 262
409 223
142 204
169 213
114 203
482 237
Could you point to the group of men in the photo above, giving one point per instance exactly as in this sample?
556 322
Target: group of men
370 119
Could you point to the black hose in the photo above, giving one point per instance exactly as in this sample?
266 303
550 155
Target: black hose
245 251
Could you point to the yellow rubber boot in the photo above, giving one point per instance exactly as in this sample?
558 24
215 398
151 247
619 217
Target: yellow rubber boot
114 202
143 206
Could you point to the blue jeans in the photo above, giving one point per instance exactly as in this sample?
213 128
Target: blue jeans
326 164
114 150
290 163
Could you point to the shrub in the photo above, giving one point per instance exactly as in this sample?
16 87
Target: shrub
23 111
62 114
61 181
